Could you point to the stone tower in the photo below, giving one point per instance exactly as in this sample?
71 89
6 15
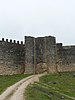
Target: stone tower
40 54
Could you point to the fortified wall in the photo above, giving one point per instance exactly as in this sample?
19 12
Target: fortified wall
65 58
12 57
35 55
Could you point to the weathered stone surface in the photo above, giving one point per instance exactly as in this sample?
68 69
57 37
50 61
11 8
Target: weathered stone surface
29 54
51 53
40 54
11 58
36 55
66 58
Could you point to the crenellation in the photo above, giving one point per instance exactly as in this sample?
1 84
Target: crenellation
2 39
14 41
6 40
21 42
17 42
10 40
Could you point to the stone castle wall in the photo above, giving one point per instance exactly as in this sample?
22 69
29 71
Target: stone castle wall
11 57
36 55
66 58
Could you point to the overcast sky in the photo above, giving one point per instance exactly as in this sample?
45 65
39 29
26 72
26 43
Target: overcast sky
38 18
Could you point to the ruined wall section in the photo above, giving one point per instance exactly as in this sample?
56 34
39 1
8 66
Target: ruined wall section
66 58
11 57
29 54
51 53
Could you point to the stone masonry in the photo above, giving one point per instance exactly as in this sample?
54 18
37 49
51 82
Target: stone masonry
40 54
12 57
35 56
66 58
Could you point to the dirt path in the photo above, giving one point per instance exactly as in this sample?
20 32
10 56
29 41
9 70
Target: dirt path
16 91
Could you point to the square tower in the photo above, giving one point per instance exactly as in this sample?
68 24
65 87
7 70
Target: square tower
40 54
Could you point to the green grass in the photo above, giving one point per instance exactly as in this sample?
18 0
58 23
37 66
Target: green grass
34 94
53 87
65 82
8 80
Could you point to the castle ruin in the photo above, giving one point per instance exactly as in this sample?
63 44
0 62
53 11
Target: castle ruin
35 55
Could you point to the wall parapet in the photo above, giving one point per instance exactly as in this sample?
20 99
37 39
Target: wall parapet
12 41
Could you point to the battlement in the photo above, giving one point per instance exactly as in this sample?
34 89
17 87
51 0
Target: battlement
12 41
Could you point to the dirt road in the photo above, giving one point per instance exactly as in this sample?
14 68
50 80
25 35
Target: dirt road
16 91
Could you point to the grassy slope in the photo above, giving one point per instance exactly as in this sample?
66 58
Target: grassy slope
50 87
6 81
